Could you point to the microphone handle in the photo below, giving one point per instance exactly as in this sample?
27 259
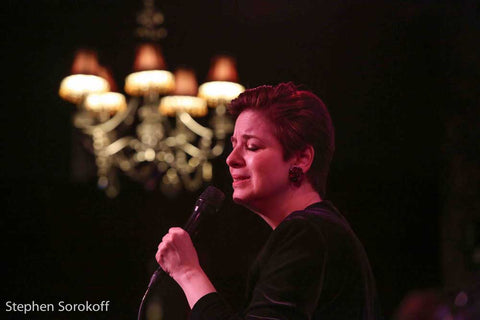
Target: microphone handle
194 219
190 227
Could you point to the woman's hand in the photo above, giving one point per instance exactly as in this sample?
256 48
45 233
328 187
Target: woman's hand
177 257
176 254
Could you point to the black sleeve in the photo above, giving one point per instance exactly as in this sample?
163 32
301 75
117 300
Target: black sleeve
212 307
289 282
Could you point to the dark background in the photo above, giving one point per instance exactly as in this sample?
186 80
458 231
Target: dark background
401 80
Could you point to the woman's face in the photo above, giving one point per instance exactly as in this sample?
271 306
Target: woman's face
256 163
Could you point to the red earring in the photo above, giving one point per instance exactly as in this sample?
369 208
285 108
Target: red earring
295 174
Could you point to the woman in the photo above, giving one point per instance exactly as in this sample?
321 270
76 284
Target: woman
312 266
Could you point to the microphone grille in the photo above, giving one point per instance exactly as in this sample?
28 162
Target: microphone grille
213 196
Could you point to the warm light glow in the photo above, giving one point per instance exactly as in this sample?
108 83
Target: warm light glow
223 68
110 102
216 92
75 87
185 82
148 57
143 82
85 62
197 107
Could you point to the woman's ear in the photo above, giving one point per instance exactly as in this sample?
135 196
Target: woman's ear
303 159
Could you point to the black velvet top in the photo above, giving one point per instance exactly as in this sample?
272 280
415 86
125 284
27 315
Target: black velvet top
311 267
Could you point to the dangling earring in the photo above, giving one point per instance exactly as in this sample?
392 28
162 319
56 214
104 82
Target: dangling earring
295 175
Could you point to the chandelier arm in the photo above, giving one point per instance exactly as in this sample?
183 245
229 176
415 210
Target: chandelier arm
117 145
217 150
194 126
191 150
116 120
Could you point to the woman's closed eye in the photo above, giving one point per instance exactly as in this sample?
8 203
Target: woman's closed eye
252 147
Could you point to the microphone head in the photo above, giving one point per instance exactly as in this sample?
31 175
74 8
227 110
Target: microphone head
212 196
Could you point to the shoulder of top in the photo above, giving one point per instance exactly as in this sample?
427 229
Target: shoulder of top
295 222
309 213
316 217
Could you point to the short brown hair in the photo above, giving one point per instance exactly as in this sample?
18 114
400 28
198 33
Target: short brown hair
300 119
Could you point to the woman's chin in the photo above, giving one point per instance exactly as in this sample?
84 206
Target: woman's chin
239 197
237 200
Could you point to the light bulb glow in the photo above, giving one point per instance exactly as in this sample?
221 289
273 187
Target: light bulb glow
216 92
75 87
142 82
105 102
195 106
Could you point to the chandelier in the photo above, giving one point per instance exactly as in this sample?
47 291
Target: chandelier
168 130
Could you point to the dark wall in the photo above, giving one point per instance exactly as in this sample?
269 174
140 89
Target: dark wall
383 68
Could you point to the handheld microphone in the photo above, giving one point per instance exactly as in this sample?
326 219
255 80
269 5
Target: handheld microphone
208 203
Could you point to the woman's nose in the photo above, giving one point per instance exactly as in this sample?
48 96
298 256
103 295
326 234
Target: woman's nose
234 159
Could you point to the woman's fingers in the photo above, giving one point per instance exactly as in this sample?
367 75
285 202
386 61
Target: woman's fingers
176 253
161 252
177 230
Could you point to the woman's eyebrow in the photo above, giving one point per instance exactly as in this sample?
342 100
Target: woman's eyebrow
249 136
244 137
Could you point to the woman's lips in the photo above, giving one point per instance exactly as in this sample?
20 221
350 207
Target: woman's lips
238 180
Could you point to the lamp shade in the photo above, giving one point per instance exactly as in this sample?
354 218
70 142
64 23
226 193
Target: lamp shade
87 76
222 84
85 62
184 96
149 76
148 57
223 68
185 82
